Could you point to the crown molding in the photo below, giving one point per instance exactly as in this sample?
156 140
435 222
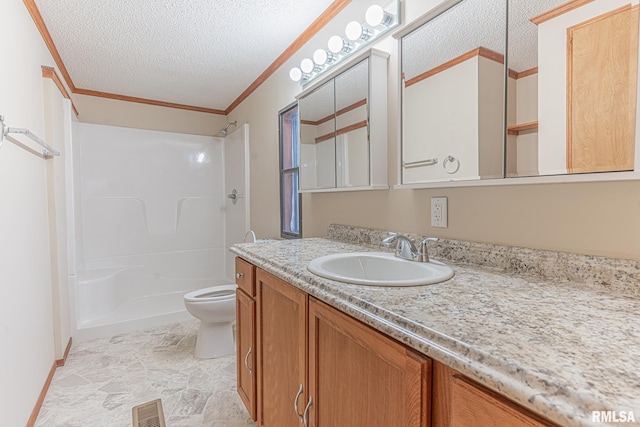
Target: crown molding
312 30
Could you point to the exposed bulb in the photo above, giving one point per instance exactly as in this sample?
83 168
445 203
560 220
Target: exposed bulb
295 74
307 66
337 44
322 57
376 15
355 31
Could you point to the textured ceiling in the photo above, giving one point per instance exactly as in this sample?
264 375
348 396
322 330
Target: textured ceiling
474 23
196 52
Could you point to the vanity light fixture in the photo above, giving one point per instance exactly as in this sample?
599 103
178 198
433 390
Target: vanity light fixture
295 74
376 15
339 45
379 20
356 31
322 57
307 66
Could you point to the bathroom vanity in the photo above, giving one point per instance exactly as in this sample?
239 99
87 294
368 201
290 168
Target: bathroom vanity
488 347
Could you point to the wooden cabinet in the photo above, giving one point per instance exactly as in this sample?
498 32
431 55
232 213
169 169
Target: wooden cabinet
459 402
296 352
282 350
361 378
245 335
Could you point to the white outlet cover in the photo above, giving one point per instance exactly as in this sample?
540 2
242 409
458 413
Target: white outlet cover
439 212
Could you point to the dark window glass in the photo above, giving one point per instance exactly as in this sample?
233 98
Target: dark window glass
290 204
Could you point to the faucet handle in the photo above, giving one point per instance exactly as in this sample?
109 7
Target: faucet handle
424 252
389 240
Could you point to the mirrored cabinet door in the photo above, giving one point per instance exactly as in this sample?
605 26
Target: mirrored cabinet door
570 105
343 128
318 138
453 91
352 133
572 86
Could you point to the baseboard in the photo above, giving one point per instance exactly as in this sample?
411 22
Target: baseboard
43 394
47 383
61 362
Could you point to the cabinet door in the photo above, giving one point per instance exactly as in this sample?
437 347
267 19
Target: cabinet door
361 378
602 63
246 345
282 350
458 402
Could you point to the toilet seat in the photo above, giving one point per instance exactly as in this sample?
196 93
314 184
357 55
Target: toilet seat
213 293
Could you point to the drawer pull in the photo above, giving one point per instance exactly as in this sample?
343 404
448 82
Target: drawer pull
305 420
295 403
239 275
246 360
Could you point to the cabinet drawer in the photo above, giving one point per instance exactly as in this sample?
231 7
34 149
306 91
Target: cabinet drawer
472 405
245 273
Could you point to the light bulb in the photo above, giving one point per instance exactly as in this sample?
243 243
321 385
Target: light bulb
337 44
320 56
355 31
295 74
306 65
376 15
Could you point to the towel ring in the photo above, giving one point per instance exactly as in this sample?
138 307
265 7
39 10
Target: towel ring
451 159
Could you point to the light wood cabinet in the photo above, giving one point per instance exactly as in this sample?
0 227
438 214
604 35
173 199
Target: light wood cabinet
361 378
246 335
460 402
282 351
307 355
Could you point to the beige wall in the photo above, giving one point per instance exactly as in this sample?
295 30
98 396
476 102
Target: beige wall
26 317
599 219
112 112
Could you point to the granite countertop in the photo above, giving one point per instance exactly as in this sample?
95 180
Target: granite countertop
560 348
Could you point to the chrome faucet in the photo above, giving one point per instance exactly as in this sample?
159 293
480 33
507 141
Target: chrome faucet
406 248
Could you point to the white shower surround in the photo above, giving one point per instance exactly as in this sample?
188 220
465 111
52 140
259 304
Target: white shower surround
151 223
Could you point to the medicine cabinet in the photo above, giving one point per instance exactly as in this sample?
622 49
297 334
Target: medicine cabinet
343 128
557 105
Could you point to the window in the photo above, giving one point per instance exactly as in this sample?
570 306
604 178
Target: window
290 199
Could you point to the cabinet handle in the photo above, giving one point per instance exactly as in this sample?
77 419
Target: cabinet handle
239 275
246 360
295 403
306 413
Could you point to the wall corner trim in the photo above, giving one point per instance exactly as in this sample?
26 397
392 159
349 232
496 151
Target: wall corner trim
61 362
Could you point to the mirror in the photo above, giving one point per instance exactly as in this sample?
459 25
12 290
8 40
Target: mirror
317 138
453 94
572 73
570 104
334 132
352 135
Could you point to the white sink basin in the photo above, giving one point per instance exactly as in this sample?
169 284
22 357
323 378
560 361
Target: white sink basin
379 269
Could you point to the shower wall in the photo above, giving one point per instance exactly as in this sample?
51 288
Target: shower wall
150 225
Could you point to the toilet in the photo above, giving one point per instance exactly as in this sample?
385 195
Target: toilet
216 309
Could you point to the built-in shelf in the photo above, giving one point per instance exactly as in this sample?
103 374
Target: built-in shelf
522 127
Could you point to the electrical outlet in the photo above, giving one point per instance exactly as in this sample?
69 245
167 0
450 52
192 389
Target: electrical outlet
439 212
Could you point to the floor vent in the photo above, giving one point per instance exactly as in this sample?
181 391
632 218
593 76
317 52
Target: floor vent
148 414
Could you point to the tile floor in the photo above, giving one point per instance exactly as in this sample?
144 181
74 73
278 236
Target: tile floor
104 378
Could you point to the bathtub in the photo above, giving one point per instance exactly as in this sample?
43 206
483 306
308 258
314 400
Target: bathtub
111 301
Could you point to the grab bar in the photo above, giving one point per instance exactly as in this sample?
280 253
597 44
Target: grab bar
419 163
48 150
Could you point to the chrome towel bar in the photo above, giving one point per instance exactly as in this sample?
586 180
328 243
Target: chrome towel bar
417 164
